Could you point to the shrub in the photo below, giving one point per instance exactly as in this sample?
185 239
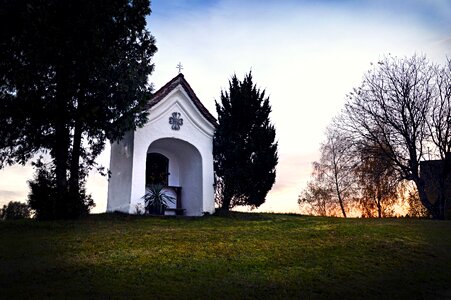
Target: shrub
15 210
43 196
42 192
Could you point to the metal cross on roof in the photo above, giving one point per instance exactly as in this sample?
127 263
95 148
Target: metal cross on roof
180 67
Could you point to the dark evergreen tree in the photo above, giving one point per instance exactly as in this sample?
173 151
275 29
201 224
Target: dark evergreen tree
244 149
73 73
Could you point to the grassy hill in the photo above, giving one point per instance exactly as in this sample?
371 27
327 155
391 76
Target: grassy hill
230 257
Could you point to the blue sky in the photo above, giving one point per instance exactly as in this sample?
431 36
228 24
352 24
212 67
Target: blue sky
306 54
434 12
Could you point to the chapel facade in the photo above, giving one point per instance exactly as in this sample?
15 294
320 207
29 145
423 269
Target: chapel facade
174 149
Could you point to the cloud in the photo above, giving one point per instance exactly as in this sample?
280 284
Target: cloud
13 183
7 196
293 171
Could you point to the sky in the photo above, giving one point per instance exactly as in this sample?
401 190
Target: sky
307 55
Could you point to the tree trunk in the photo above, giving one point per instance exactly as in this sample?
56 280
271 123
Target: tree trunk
340 199
60 151
226 200
75 163
379 205
225 206
60 157
341 206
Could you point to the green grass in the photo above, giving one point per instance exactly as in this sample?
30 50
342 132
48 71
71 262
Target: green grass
230 257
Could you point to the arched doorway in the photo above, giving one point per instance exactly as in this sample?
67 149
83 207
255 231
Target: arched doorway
181 163
157 169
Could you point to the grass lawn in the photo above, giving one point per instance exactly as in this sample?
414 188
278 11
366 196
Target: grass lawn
235 257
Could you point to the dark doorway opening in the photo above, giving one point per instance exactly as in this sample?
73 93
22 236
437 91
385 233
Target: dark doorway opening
157 169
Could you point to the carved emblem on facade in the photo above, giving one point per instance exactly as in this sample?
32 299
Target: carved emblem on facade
175 121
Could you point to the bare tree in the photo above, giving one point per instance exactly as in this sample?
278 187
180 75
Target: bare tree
392 109
377 182
316 198
333 173
440 113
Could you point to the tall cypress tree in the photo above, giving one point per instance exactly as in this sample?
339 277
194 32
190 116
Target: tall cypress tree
244 148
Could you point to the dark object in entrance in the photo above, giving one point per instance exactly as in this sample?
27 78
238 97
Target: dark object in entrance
157 169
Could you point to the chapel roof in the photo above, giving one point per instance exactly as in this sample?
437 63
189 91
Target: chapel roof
171 85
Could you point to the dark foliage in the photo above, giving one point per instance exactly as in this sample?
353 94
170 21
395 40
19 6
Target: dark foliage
43 199
73 73
15 210
244 149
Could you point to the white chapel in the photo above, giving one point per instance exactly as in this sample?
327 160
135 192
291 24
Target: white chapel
174 148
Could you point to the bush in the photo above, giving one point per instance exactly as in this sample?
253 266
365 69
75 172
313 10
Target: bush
14 211
43 196
42 192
